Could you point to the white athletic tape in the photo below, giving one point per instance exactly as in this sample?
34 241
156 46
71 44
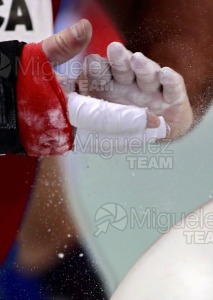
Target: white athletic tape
95 136
100 143
157 133
102 116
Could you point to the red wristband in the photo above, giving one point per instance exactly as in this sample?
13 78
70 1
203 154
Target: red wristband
42 110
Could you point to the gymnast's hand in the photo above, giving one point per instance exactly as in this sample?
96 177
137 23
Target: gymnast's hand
133 79
92 114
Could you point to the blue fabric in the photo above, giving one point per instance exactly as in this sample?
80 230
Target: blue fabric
14 285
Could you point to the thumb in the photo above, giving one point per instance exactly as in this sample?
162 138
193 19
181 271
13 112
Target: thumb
66 44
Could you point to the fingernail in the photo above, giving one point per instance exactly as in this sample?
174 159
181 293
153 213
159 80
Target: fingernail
82 29
152 120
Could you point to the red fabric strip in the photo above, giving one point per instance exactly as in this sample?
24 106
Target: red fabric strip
55 6
104 30
42 110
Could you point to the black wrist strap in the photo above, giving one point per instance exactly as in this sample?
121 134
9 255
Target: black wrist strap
9 135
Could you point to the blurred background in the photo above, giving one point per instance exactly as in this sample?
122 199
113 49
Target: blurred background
92 216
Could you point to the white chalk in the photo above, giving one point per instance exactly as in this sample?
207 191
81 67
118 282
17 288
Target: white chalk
146 72
119 58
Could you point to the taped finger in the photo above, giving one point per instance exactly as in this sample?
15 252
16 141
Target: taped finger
102 116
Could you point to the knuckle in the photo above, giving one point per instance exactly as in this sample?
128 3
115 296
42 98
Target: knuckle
61 43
